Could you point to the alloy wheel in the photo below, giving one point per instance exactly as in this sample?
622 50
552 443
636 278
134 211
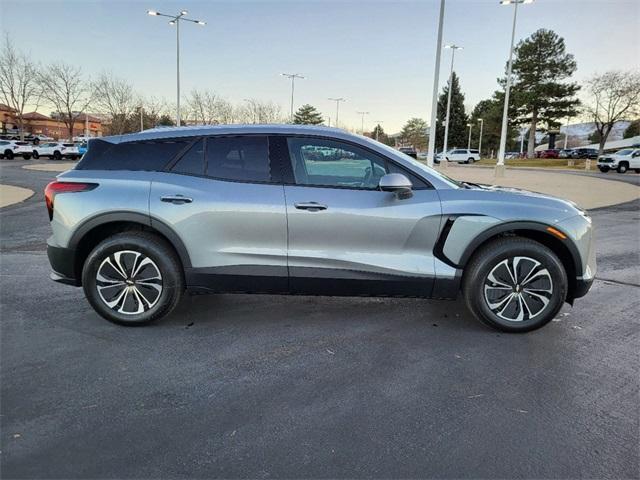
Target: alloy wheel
129 282
518 289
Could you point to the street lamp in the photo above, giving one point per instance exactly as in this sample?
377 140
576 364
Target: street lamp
293 77
175 20
337 100
480 143
362 124
503 132
453 48
434 97
469 141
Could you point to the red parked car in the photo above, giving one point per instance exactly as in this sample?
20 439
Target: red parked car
551 153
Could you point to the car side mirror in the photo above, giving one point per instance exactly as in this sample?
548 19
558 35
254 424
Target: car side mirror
398 184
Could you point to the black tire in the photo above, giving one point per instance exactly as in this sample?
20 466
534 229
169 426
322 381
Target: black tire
637 170
623 167
471 160
489 259
26 157
36 155
57 155
163 259
603 169
8 154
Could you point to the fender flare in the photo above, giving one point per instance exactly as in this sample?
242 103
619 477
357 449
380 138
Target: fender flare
497 230
133 217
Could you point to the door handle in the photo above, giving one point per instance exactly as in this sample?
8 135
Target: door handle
311 206
176 199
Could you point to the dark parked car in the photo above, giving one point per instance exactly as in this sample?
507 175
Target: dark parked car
550 153
409 151
591 153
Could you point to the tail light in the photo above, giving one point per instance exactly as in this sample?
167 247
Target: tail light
55 187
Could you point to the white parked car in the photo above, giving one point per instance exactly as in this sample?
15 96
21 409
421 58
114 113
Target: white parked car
461 155
622 160
56 150
14 148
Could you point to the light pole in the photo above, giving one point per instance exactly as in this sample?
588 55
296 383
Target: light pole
337 100
434 97
469 141
453 48
480 143
378 122
293 77
362 124
505 112
175 20
566 133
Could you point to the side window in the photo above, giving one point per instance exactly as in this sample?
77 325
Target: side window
192 162
150 156
331 163
243 159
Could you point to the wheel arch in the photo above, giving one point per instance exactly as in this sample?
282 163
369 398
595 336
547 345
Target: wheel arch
565 249
93 231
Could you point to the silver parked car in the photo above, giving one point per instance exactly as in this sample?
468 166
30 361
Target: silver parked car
304 210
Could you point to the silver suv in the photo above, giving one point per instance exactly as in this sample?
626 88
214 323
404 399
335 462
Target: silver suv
304 210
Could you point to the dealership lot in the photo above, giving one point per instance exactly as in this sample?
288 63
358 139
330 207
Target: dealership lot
272 386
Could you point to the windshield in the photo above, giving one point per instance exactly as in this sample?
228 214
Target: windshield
626 151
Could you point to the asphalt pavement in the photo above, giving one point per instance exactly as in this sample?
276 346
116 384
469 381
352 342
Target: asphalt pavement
241 386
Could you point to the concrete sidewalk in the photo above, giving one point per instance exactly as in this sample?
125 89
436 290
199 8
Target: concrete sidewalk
10 194
588 192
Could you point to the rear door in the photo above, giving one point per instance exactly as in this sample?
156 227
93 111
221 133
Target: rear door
226 203
346 236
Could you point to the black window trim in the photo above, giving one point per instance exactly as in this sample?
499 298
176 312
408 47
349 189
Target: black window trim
288 167
276 175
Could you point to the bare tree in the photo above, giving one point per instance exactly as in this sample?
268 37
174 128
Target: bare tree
615 96
18 81
256 111
208 108
116 98
65 88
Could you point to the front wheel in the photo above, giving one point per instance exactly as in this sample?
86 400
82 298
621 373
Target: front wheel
603 169
133 278
57 155
36 155
515 284
637 170
26 157
8 154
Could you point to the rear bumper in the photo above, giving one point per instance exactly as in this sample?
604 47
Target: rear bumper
62 262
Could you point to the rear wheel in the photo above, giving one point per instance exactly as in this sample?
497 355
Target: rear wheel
471 160
133 278
623 167
515 284
637 170
26 157
57 155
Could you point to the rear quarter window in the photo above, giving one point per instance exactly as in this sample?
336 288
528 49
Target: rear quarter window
149 155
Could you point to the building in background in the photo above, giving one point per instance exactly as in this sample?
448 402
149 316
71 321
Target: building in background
38 124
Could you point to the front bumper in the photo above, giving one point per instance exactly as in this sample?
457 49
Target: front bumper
62 262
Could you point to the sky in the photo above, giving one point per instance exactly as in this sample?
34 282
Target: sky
379 55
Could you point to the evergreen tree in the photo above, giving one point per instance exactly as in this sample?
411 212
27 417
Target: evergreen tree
540 94
379 134
166 120
633 130
490 111
307 115
414 133
457 118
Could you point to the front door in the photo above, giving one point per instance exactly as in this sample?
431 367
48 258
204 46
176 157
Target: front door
346 237
227 207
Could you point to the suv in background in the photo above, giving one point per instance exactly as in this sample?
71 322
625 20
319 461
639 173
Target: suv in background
253 209
622 160
409 151
56 150
460 155
10 149
590 153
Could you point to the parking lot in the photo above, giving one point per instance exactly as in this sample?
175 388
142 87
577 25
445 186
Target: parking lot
274 386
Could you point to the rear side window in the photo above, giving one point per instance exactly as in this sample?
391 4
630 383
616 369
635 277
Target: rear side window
242 159
151 156
192 162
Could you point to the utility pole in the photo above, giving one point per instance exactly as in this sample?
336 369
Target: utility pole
434 99
362 124
443 161
480 144
469 141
